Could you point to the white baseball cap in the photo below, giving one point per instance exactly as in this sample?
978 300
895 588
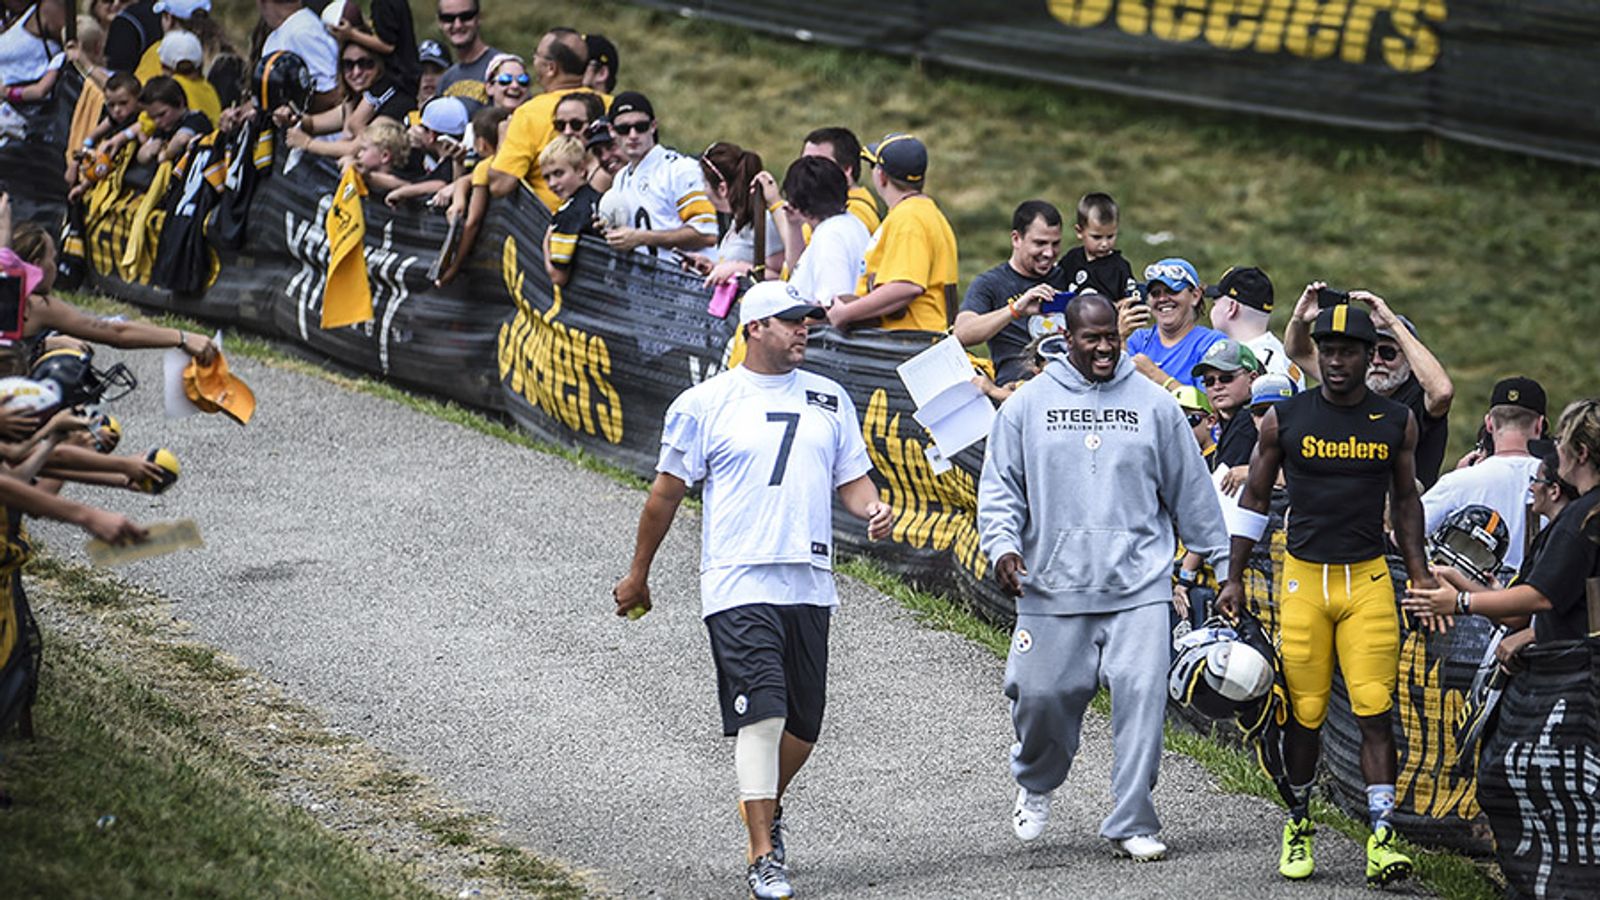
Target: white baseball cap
182 9
777 299
445 115
181 47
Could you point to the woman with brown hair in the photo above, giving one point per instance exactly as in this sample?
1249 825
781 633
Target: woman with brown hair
730 172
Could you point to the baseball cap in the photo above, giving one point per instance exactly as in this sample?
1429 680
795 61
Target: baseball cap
213 388
1191 398
1249 286
182 9
602 51
1389 332
1177 274
180 47
900 156
1344 320
1518 391
432 53
1270 388
777 299
445 115
598 134
1226 355
631 102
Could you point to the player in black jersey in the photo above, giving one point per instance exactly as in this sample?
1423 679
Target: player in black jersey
1342 449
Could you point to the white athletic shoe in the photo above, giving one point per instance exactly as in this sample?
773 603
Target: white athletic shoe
1140 848
1029 816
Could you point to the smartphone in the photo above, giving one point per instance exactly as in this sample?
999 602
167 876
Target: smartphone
448 143
1327 296
10 305
1139 299
1057 303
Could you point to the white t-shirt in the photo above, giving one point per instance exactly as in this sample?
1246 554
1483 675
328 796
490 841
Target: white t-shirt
663 191
304 35
1269 350
771 449
1500 483
740 246
834 260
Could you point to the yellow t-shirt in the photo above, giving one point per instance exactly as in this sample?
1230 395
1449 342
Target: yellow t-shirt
149 64
202 97
915 244
480 172
862 205
527 133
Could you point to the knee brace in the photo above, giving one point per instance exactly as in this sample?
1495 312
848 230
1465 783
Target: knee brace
755 759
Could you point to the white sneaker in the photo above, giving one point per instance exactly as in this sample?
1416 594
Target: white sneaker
1031 813
1140 848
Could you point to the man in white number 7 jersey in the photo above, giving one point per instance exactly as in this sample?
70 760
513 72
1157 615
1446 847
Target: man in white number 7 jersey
772 443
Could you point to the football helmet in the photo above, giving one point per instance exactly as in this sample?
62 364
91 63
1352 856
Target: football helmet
282 79
1220 674
1474 539
72 370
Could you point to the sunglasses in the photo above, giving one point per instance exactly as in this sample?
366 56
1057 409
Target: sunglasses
1218 378
1195 418
632 127
570 124
448 18
505 78
1388 352
1168 272
1547 482
358 62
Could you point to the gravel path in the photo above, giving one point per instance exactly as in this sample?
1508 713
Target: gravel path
446 596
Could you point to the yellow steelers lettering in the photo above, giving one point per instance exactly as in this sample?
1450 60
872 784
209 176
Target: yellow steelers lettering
1312 29
564 371
1428 757
1349 448
937 512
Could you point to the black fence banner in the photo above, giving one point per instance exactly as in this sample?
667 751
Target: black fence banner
1539 775
1520 75
595 364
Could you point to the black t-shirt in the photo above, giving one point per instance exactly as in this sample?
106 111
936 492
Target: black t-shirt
1431 433
1567 561
1338 465
1110 275
574 218
196 121
993 290
391 22
131 33
1237 441
388 97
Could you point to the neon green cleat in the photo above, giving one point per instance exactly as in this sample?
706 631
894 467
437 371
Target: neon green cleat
1385 864
1295 862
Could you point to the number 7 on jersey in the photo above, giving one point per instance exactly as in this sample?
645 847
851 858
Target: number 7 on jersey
791 422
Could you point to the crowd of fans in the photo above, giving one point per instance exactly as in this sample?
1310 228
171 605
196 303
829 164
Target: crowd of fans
460 124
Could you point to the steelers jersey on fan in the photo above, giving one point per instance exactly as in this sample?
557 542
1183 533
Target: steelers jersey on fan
771 450
1338 465
665 191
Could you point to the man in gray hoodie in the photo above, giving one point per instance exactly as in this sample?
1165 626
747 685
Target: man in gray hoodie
1089 468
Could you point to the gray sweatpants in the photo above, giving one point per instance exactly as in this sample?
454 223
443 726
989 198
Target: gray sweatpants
1055 666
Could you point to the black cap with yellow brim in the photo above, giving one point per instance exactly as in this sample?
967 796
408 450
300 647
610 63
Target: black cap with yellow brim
1344 321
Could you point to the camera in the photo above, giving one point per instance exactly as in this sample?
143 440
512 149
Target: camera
1327 296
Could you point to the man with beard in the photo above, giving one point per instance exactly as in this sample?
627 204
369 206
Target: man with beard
1089 466
1343 450
1002 303
775 445
1403 369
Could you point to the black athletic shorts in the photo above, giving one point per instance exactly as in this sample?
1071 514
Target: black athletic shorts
772 661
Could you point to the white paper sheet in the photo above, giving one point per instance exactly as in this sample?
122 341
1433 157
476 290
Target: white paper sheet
173 362
934 369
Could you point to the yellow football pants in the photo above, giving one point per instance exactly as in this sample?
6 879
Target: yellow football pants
1344 608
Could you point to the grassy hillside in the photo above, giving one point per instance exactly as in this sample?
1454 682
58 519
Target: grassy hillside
1490 254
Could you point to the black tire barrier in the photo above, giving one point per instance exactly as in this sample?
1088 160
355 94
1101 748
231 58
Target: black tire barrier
1539 774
